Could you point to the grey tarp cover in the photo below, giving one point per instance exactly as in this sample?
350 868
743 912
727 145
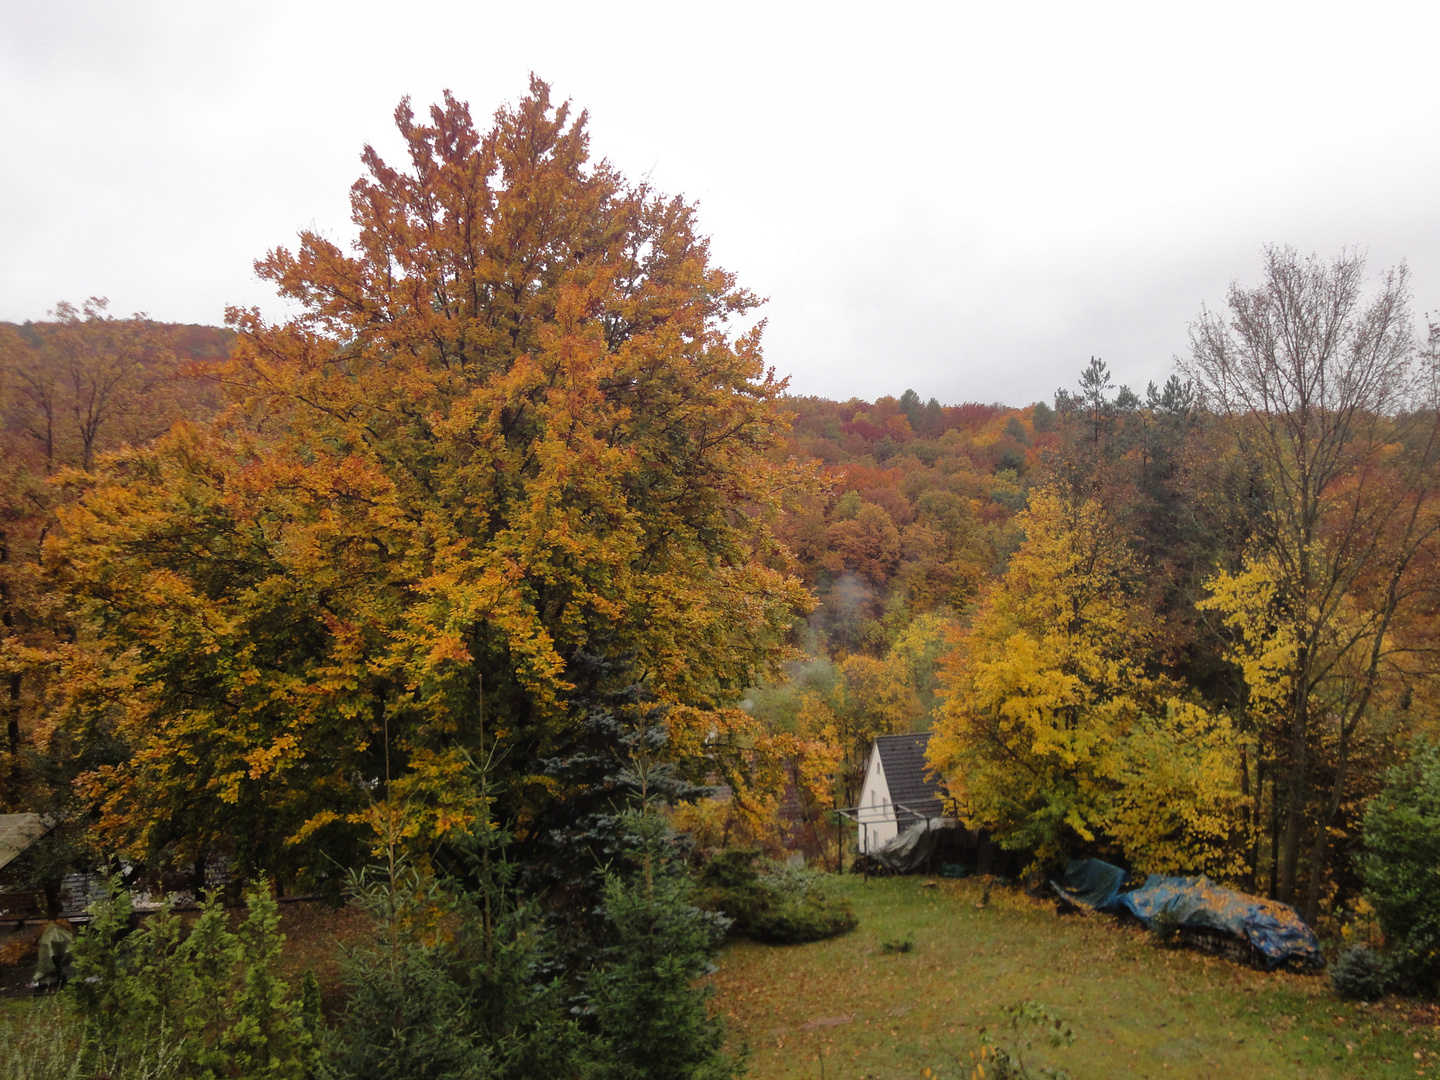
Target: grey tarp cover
1090 883
910 851
1275 929
55 956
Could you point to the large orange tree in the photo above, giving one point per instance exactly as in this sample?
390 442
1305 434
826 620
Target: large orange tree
515 428
71 389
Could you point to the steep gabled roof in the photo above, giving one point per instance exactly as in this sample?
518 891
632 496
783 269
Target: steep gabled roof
909 778
18 832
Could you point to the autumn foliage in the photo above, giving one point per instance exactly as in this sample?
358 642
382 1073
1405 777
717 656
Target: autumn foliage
513 494
513 424
1060 724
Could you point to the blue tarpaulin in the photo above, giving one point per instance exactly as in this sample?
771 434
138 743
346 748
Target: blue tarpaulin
1090 883
1274 929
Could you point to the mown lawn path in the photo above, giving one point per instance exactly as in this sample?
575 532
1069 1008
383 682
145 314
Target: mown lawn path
1137 1010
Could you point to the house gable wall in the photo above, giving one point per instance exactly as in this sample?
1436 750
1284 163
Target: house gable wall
877 824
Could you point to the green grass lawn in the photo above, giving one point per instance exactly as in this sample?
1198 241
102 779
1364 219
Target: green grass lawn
845 1009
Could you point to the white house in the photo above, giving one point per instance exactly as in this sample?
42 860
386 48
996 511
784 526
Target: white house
899 789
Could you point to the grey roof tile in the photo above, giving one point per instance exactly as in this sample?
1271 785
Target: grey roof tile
911 782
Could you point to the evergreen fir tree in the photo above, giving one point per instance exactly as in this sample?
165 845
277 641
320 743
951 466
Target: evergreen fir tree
650 1015
615 762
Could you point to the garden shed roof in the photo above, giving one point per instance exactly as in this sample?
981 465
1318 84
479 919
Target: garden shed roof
18 832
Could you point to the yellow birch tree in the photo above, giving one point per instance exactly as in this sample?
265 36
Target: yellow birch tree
1057 732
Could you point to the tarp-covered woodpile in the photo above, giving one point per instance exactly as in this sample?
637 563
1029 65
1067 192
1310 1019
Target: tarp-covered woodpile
1090 883
926 844
1275 930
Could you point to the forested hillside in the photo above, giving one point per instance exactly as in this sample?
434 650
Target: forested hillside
1149 536
262 584
72 390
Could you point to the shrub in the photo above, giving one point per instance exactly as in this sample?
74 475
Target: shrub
1008 1053
159 1000
1360 974
781 905
1413 962
1165 926
1402 838
463 980
899 945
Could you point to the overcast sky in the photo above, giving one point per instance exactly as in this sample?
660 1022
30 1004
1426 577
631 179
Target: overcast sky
970 199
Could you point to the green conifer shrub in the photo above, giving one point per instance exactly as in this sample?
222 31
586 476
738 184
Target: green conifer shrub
455 983
1360 974
648 1013
1402 840
407 1013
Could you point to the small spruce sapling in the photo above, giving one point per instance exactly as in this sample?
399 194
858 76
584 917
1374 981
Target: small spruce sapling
407 1015
452 985
612 760
267 1036
650 1015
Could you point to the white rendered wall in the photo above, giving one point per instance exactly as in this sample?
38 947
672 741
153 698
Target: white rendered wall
877 825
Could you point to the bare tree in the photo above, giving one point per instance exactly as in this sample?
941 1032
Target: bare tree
1329 401
88 379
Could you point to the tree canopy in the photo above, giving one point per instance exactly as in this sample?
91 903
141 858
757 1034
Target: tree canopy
518 421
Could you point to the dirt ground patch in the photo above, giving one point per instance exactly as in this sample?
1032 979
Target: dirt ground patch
314 932
18 955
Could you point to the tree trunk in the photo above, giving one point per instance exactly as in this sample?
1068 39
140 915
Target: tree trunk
1295 806
1321 852
197 873
12 740
1249 878
1337 789
1274 837
1257 823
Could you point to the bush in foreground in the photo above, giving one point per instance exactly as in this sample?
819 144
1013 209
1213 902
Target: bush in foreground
780 905
463 978
1402 837
160 1001
1360 974
650 1016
